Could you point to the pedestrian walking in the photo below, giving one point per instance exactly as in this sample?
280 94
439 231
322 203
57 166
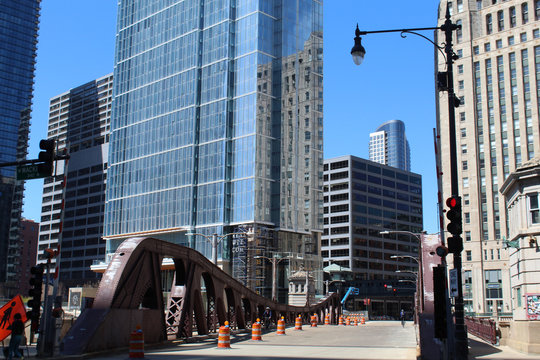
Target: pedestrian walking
17 331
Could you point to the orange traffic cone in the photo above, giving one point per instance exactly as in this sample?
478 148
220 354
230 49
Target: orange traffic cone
136 344
224 337
256 331
281 326
298 323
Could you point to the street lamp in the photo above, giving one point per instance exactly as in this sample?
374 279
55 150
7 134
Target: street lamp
274 260
327 284
445 83
215 239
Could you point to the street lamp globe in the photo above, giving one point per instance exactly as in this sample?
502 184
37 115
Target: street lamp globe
358 52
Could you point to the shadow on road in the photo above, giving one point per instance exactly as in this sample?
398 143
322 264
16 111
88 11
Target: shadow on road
478 349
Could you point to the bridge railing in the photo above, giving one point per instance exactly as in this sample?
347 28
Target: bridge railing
485 329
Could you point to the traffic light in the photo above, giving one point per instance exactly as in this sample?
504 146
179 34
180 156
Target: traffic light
46 156
35 295
455 242
454 215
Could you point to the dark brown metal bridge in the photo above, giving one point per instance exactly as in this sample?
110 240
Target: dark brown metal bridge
201 298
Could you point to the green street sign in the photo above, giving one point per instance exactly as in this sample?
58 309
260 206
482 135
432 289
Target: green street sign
31 171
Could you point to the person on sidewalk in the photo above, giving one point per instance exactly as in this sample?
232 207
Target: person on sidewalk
17 331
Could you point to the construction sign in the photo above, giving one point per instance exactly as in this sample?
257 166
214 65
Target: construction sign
7 312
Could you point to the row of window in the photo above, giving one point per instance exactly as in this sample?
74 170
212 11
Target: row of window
512 16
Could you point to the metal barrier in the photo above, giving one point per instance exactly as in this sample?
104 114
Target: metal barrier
485 329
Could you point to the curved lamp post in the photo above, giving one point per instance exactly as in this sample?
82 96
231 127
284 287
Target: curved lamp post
274 260
215 239
445 83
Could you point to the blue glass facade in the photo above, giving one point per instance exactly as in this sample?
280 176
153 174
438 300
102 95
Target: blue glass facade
18 35
389 145
217 120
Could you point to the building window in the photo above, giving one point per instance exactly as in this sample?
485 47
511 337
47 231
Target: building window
464 148
465 182
476 50
459 32
460 53
467 236
523 37
524 13
512 17
518 296
489 24
459 6
487 47
493 284
536 33
462 116
537 9
463 132
533 209
468 255
500 20
460 69
510 40
467 218
466 199
464 165
478 4
498 44
461 85
485 254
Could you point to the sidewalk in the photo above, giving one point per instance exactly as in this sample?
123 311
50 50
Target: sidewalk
478 349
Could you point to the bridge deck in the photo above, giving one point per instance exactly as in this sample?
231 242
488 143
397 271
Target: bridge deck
375 340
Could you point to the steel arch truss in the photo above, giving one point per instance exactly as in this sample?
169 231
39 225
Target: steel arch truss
201 298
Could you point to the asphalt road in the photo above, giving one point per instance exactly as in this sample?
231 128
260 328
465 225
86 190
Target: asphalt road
374 340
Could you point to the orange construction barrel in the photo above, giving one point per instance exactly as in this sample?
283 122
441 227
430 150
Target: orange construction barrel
224 337
281 326
298 323
136 344
256 331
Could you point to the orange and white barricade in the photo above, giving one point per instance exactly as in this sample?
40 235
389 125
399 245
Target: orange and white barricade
256 331
224 337
355 321
340 322
280 327
348 321
313 320
327 319
298 323
136 344
363 321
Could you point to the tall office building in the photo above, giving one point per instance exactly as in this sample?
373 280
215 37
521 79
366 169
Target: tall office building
388 145
217 126
497 130
361 199
18 35
80 122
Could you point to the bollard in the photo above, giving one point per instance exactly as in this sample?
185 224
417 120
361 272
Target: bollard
136 344
256 331
313 321
281 326
298 323
224 337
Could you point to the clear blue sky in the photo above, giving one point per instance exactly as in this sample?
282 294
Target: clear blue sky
396 80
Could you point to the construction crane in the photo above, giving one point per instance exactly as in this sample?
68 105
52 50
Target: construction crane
351 290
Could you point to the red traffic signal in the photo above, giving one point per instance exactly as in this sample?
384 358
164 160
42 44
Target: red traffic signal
454 215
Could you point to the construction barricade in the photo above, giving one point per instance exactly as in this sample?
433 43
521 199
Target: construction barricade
256 331
136 344
280 327
313 320
327 319
298 323
224 337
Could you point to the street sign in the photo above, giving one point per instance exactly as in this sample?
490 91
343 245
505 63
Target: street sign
453 283
30 171
7 313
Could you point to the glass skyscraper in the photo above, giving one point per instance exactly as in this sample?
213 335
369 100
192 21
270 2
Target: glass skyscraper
388 145
217 126
19 21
